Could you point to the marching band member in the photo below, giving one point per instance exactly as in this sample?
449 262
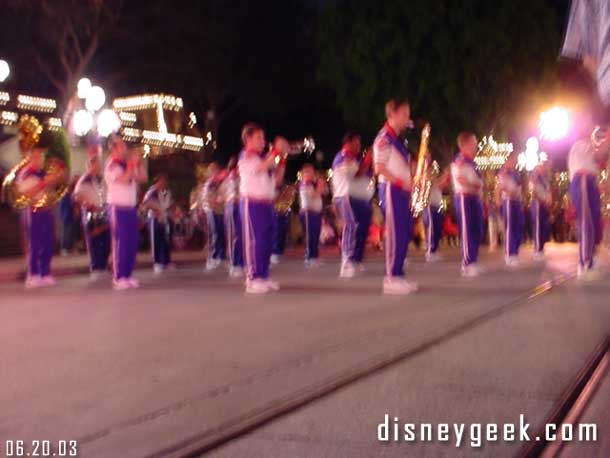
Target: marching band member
361 192
467 186
123 171
393 166
89 193
540 208
583 167
257 189
509 187
310 197
39 223
158 201
233 229
344 169
433 218
281 219
214 211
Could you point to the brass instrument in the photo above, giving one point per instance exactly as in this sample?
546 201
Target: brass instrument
421 181
29 132
284 200
305 146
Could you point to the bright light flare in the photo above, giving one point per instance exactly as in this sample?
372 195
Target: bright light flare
554 124
95 98
83 87
5 71
82 122
107 122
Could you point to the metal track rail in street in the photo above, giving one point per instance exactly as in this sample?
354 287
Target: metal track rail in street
570 406
225 432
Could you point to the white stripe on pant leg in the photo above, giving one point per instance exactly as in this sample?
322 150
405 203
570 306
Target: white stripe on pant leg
465 238
152 239
508 222
390 236
115 242
307 253
587 224
250 240
429 230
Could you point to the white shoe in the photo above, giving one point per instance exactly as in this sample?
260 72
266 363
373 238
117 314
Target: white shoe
360 267
33 281
433 257
471 270
398 286
47 280
158 269
212 264
133 283
171 266
347 270
257 286
313 263
538 256
275 259
121 284
236 272
512 261
272 284
94 275
588 274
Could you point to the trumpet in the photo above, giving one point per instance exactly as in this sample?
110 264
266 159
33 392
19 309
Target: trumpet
305 146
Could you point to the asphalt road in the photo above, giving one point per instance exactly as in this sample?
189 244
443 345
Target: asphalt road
188 358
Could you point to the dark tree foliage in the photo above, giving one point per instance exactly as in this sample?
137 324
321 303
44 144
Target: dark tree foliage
464 64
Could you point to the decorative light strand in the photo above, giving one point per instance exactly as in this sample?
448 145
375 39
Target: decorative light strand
28 102
127 118
4 98
8 117
147 101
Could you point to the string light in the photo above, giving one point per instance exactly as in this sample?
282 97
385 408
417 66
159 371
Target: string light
127 118
55 123
492 154
4 98
192 120
8 117
147 101
161 139
28 102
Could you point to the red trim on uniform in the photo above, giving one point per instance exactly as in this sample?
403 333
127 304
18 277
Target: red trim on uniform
391 131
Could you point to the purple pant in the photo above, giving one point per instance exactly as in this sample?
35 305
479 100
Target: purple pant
257 231
160 242
514 225
585 197
541 227
345 211
124 229
362 212
312 224
98 245
469 212
216 235
233 234
40 241
396 206
433 222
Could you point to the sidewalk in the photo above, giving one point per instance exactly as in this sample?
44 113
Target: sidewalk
12 268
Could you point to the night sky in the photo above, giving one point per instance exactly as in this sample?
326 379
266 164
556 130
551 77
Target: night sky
264 61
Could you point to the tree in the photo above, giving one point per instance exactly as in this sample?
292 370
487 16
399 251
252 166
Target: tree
63 37
463 63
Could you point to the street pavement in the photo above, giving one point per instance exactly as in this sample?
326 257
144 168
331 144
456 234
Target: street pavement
188 358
